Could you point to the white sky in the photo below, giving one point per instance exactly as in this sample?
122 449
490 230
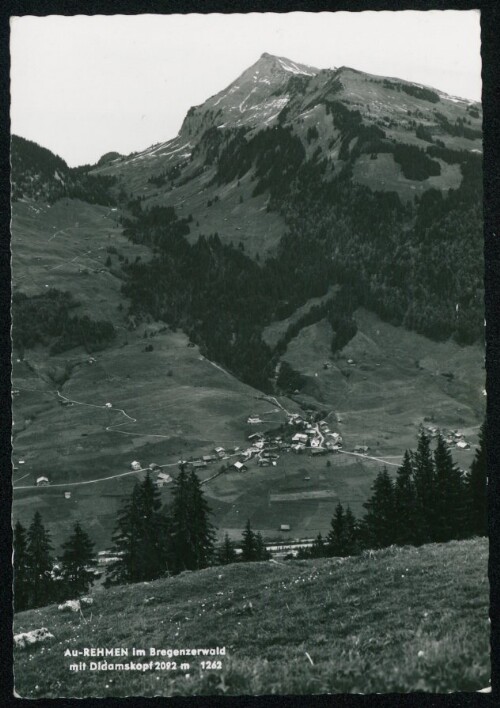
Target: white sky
83 86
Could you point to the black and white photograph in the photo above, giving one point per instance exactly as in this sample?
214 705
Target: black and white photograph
248 354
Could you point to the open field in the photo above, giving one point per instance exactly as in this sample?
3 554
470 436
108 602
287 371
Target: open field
396 620
397 380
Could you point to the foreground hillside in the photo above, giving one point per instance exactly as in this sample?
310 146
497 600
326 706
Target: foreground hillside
396 620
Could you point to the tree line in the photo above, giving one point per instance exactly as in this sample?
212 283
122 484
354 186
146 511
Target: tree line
428 501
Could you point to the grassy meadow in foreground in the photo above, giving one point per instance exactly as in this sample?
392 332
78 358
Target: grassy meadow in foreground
396 620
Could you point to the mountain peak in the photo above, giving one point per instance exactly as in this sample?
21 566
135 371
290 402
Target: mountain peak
283 64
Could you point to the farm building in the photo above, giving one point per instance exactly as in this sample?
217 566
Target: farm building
254 420
135 465
300 438
255 436
263 462
162 479
198 464
318 451
209 458
67 495
285 527
239 467
362 449
42 481
462 445
298 447
219 451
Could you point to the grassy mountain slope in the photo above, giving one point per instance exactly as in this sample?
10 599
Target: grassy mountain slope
396 620
184 405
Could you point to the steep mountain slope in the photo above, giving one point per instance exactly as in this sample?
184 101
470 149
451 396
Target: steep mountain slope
330 111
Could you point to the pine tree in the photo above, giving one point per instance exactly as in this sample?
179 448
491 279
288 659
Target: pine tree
379 519
318 549
153 532
335 538
261 551
77 556
140 537
202 530
179 540
425 490
476 490
20 567
449 501
126 539
351 537
39 563
226 553
405 503
248 544
191 534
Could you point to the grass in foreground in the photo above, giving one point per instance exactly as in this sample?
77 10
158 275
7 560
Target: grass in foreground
398 620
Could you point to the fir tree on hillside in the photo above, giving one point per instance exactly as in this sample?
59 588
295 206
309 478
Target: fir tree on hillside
351 535
39 563
380 512
20 568
405 503
260 548
248 544
318 548
226 552
449 501
424 481
476 490
202 530
191 536
335 538
77 556
139 537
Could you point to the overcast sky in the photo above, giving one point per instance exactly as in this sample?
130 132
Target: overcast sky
83 86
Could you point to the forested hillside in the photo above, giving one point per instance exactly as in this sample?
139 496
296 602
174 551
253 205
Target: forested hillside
39 174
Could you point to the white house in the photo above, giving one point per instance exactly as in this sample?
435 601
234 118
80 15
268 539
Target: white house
240 467
462 445
135 465
42 481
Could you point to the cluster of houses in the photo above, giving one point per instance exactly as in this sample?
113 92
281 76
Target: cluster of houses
316 436
453 438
